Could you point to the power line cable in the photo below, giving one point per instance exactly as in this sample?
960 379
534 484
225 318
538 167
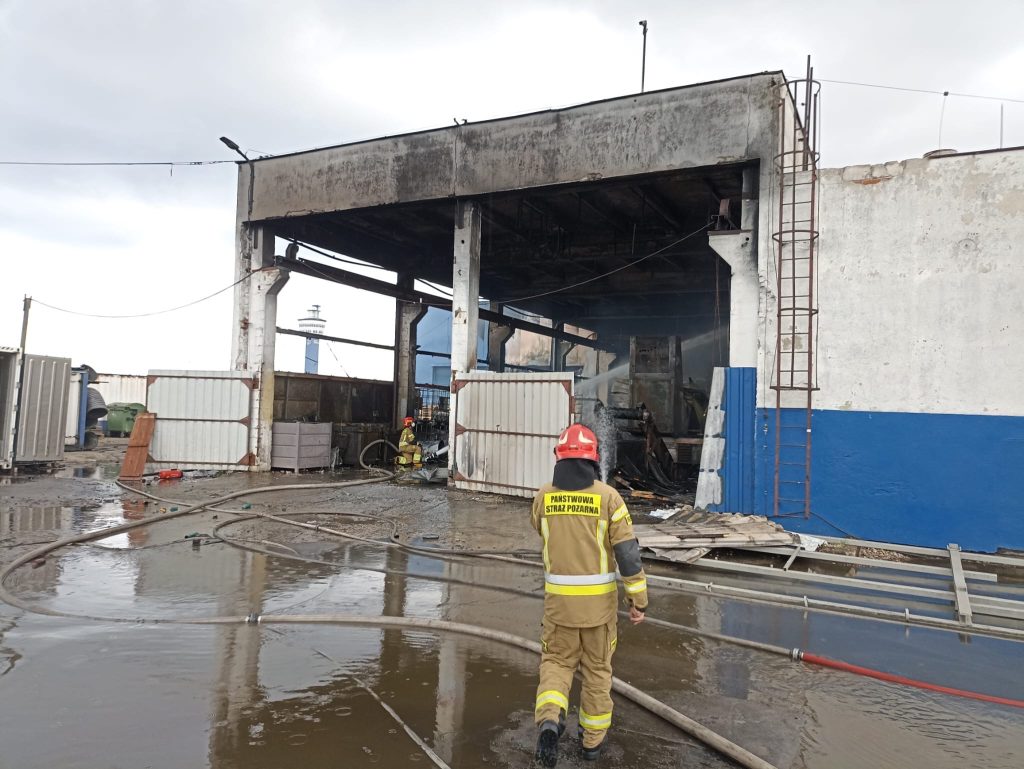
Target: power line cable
626 266
344 370
311 266
143 314
115 163
922 90
335 257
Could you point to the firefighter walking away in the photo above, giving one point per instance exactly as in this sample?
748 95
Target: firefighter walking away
584 525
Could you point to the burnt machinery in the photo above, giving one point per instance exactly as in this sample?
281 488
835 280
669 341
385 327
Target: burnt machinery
653 424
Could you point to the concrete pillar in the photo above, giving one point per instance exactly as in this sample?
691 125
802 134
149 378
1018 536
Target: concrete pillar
253 251
465 307
466 287
737 248
407 315
264 285
497 337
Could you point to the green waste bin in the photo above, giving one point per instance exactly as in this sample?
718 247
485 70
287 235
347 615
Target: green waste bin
121 418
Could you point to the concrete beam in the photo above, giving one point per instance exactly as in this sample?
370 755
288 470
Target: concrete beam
338 339
335 275
497 338
738 249
465 287
658 131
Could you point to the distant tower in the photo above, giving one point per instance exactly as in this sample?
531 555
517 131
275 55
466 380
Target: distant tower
314 323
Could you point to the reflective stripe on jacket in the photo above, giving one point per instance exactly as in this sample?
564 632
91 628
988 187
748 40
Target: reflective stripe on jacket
580 530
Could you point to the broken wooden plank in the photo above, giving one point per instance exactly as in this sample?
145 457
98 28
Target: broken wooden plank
681 556
135 457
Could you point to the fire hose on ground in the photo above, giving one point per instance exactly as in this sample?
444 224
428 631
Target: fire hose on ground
795 654
640 698
656 707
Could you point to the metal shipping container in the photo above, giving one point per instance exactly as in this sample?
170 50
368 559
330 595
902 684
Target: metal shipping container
8 395
202 420
505 429
44 404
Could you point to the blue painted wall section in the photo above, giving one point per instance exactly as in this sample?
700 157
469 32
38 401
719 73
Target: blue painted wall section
911 478
739 404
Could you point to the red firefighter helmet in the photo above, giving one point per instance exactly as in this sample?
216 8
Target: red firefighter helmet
577 442
409 421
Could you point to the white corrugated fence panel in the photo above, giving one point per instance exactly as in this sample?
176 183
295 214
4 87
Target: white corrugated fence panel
202 419
121 388
506 428
44 407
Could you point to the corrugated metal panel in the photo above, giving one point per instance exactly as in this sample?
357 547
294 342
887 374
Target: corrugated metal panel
121 388
738 463
44 404
726 481
202 419
505 429
709 481
8 390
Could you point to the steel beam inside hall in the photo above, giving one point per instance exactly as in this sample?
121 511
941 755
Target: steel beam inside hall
335 275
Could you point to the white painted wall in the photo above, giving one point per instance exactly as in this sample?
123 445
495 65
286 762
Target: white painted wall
921 287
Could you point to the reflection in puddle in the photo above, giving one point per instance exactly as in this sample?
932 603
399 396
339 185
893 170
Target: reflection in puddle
261 696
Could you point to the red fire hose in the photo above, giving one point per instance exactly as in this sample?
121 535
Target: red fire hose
814 659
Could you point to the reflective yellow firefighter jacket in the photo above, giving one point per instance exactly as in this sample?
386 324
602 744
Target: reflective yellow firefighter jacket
407 439
586 533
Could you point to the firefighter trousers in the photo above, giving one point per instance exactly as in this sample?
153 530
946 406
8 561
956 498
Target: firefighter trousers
563 649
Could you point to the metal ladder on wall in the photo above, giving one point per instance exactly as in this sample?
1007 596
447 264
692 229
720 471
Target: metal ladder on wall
795 237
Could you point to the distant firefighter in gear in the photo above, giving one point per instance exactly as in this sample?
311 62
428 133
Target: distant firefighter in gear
409 451
584 524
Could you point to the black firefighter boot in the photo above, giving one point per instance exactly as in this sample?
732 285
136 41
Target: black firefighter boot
590 754
547 741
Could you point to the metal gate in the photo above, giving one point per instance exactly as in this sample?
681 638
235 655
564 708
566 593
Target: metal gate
202 420
505 427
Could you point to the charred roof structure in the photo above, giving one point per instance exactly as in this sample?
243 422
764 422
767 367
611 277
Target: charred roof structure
626 227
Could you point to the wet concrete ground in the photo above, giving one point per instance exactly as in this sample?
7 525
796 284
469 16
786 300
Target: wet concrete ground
85 693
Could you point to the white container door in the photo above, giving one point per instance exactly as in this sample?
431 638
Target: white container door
505 430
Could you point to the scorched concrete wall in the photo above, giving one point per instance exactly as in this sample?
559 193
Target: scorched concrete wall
704 124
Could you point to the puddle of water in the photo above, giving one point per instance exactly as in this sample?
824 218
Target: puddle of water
103 471
265 696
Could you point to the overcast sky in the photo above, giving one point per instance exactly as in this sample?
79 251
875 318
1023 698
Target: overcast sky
154 80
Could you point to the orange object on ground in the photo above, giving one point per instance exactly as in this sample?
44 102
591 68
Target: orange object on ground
170 475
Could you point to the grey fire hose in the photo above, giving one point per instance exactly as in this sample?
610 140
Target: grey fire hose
652 705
